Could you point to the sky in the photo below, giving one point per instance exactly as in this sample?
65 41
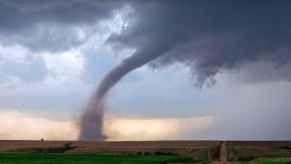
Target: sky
218 71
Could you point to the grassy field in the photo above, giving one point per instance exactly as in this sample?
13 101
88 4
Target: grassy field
268 161
39 158
81 152
36 158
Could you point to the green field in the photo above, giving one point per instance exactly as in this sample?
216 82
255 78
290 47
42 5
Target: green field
268 161
36 158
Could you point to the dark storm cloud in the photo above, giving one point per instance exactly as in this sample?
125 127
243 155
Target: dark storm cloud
43 25
206 36
211 36
261 72
47 37
17 14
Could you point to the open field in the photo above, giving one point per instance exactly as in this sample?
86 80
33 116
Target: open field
124 147
58 152
267 161
38 158
35 158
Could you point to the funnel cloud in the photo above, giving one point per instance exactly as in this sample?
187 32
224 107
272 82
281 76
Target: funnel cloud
92 119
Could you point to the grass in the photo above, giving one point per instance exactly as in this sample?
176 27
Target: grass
270 161
38 158
251 154
60 158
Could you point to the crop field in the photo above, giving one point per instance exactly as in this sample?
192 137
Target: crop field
37 158
81 152
267 161
44 158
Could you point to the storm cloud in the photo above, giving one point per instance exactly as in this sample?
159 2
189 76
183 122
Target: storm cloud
208 37
43 25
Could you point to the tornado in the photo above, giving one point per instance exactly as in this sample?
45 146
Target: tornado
207 37
91 125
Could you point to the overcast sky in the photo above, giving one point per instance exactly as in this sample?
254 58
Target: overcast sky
228 62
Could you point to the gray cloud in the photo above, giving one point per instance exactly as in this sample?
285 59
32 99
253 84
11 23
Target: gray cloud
17 15
51 25
262 72
47 37
210 36
207 37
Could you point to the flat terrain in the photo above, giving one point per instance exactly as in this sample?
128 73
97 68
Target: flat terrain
36 158
90 147
83 152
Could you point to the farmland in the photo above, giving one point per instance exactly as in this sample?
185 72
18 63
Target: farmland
35 158
85 152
